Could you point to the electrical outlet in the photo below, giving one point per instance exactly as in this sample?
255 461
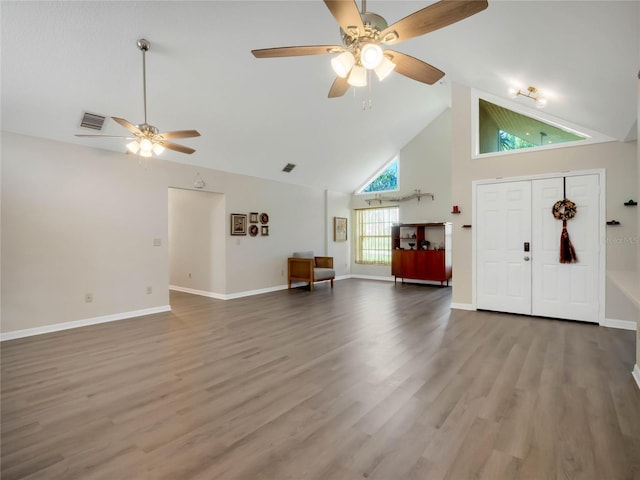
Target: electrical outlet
149 290
88 297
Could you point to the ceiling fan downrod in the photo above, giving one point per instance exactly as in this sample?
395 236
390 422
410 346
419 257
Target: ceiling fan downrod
144 46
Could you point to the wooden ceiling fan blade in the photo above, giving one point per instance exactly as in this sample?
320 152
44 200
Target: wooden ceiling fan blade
296 51
179 134
339 87
176 147
413 68
347 15
431 18
128 125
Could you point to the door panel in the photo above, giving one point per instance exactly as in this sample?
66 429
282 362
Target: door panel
568 291
503 225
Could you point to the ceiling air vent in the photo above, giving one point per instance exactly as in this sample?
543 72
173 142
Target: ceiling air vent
92 121
288 167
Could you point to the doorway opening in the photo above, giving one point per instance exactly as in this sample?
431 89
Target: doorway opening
197 259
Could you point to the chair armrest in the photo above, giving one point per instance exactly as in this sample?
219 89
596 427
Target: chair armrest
300 268
324 262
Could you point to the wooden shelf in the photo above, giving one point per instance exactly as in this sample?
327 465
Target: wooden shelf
419 263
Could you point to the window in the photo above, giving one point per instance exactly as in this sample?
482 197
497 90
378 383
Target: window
508 141
384 181
501 129
373 234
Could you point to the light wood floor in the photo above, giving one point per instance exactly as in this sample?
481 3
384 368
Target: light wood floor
368 380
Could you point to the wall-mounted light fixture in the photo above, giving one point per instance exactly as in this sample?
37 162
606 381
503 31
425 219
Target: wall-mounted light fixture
530 92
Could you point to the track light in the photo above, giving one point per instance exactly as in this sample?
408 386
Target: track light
530 92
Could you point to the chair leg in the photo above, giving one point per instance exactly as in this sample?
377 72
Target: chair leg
311 286
289 284
332 283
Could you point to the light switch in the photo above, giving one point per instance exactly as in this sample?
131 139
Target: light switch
157 242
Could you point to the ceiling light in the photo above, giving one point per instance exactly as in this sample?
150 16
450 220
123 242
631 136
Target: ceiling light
371 56
342 64
133 147
157 148
530 92
145 146
358 76
385 68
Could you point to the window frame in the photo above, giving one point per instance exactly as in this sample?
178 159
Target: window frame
591 137
395 158
359 237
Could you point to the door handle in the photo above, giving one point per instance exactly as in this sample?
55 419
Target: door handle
526 259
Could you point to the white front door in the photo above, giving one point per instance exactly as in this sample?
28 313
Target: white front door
566 290
503 226
513 217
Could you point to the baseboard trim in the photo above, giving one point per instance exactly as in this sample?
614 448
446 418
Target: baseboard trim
636 374
250 293
247 293
621 324
227 296
463 306
203 293
56 327
372 277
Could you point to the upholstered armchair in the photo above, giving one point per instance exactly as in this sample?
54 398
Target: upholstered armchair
305 267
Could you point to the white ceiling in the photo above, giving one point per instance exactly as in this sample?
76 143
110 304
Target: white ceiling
60 59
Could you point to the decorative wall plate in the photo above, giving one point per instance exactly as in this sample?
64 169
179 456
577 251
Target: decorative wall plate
264 218
253 230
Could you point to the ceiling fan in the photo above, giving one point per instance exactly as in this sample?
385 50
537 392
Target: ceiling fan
364 32
147 139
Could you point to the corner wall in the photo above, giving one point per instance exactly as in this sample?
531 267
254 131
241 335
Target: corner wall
79 220
425 164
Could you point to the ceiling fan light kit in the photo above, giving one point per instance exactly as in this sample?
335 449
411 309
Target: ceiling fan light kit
358 76
343 63
147 139
363 34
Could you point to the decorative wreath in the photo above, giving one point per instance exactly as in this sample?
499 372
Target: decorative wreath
564 210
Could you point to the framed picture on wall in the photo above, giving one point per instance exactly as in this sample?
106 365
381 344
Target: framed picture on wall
264 230
253 217
339 229
238 224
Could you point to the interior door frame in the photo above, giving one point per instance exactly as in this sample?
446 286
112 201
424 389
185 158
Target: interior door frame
602 260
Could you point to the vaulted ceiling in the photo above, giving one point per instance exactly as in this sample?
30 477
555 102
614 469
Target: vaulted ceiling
60 59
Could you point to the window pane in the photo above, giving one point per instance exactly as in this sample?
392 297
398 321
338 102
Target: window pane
501 129
373 233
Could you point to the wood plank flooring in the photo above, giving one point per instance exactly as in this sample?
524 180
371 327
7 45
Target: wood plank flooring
366 380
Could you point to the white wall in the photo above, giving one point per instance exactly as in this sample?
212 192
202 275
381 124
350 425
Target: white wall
79 220
425 164
619 160
197 258
338 206
76 221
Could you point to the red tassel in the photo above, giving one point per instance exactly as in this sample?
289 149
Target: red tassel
567 252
